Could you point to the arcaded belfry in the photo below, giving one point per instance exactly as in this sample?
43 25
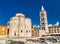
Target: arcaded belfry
19 26
43 20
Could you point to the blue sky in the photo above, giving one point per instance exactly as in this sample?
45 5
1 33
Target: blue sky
31 9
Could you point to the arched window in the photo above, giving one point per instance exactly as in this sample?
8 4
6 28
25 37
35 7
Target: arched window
26 31
2 33
54 30
29 31
14 33
42 14
49 31
8 31
3 29
58 30
21 31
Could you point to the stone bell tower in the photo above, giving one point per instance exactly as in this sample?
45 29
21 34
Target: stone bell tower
43 20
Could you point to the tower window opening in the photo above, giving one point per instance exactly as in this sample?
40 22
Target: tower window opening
58 30
15 34
26 31
29 31
21 31
42 14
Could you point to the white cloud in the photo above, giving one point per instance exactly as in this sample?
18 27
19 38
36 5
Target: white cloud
38 26
50 25
57 23
34 25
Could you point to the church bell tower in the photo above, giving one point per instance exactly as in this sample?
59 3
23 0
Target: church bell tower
43 20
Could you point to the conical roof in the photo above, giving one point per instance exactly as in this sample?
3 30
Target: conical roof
42 8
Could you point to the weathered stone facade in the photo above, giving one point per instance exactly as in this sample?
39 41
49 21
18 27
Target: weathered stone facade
19 26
